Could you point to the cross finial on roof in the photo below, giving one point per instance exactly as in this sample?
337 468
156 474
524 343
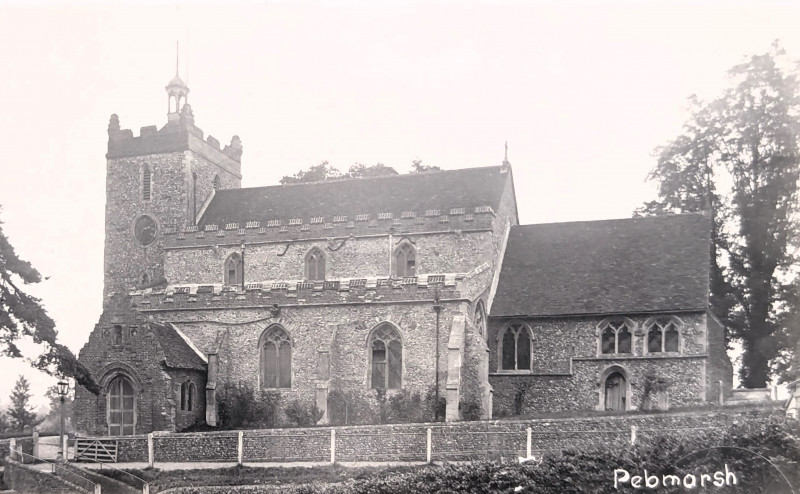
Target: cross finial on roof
505 157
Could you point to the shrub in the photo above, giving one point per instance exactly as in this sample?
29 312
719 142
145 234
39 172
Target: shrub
302 414
471 409
240 409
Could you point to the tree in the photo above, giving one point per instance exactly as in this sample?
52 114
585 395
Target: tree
324 171
376 170
22 315
317 173
418 167
738 156
21 411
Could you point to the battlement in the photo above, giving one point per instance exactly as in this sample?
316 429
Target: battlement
175 136
455 220
299 292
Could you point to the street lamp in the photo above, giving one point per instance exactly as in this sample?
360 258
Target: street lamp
63 389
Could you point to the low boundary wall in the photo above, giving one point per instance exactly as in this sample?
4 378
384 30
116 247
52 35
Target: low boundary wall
428 442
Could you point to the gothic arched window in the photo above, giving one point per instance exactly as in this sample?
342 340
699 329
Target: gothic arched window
514 347
615 335
187 396
405 260
276 358
315 265
663 335
146 182
233 269
385 357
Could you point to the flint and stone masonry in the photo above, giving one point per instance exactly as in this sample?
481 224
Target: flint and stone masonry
380 282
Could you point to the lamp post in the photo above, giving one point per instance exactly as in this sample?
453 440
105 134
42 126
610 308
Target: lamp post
63 389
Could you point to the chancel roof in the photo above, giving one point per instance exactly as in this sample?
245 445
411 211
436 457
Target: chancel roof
635 265
442 190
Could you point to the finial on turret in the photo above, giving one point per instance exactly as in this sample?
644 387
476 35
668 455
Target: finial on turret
177 91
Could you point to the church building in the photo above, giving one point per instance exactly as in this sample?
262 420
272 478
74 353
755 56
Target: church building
422 282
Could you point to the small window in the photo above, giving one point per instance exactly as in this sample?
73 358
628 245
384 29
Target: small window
187 396
276 358
146 183
615 336
315 265
118 335
217 182
386 358
233 269
515 347
405 261
663 335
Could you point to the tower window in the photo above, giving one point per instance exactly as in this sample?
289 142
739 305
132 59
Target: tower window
146 183
405 261
217 182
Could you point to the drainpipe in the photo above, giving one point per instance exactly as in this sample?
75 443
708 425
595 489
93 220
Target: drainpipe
242 267
437 307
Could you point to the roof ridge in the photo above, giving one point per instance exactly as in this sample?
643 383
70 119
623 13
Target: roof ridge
346 179
609 220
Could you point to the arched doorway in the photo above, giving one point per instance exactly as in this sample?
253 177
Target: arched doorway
616 392
121 407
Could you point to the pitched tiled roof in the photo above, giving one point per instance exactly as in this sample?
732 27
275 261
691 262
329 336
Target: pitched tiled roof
178 354
466 188
613 266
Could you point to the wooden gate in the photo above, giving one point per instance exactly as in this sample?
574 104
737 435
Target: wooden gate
99 450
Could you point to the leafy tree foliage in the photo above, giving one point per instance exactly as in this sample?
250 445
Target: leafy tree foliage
22 315
418 167
21 411
324 171
317 173
738 156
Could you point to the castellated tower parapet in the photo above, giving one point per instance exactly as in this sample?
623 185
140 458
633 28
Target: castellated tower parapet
157 181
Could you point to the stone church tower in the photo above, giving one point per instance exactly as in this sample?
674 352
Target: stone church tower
157 181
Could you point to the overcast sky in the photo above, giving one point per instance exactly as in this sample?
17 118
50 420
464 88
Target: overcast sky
582 91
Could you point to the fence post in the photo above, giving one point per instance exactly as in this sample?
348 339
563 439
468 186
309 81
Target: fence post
98 489
528 449
240 455
151 451
428 460
333 446
721 393
633 434
12 448
35 443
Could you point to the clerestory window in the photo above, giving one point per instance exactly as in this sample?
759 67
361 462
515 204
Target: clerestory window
233 269
405 260
315 265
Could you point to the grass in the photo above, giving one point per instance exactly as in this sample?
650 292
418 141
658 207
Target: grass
160 480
